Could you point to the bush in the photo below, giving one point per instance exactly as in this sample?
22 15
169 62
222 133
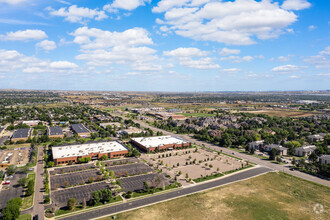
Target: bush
30 188
47 199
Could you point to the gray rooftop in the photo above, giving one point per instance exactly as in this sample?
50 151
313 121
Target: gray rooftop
21 133
55 131
79 128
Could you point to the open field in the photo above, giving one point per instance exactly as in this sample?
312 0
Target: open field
283 113
270 196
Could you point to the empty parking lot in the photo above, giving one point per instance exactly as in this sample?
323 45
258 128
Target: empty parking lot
130 169
136 183
71 169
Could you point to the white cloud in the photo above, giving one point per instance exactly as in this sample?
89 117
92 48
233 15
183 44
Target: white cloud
12 60
185 56
294 77
28 34
128 5
238 59
230 70
77 14
234 22
295 4
321 60
284 58
130 48
286 68
12 2
46 45
226 52
186 52
311 27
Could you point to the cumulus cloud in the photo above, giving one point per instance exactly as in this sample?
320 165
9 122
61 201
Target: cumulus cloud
295 4
226 52
46 45
185 56
320 61
26 35
284 58
128 5
12 60
12 2
238 59
237 22
230 70
77 14
311 27
130 47
286 68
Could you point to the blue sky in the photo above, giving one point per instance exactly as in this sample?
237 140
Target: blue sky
166 45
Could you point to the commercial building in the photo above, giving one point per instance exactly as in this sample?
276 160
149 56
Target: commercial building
71 153
81 130
281 150
130 130
112 124
21 134
304 151
55 132
151 144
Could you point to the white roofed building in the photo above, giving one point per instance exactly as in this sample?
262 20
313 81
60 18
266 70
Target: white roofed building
151 144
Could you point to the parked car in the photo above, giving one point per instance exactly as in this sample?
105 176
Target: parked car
7 182
11 176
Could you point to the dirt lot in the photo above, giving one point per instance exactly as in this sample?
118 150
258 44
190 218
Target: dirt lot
17 156
195 164
283 113
269 196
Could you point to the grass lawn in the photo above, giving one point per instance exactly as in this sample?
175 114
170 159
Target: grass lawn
28 201
25 217
79 207
13 146
269 196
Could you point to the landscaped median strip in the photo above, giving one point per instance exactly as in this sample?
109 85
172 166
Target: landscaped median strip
25 203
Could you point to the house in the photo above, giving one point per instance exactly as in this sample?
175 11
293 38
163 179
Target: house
281 150
324 159
151 144
55 132
112 124
21 134
81 130
316 137
304 151
256 145
71 153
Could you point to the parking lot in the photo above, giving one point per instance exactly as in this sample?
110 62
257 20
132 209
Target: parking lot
71 169
194 163
121 161
130 169
61 197
136 183
72 179
12 190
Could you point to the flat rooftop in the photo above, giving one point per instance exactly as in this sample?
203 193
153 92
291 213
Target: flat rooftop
86 149
55 130
158 141
21 133
79 128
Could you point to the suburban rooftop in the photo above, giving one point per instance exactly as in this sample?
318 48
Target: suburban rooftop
86 149
79 128
158 141
55 131
21 133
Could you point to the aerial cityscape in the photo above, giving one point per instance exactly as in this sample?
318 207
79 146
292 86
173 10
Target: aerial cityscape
164 109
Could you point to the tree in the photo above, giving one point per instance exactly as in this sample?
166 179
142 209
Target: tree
11 169
51 164
30 188
95 198
293 161
11 211
84 203
273 153
71 203
106 195
47 199
104 157
146 186
23 181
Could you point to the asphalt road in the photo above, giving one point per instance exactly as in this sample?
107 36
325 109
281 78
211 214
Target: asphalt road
266 163
38 207
170 195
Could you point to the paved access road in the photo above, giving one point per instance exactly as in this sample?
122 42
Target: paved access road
266 163
170 195
38 207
